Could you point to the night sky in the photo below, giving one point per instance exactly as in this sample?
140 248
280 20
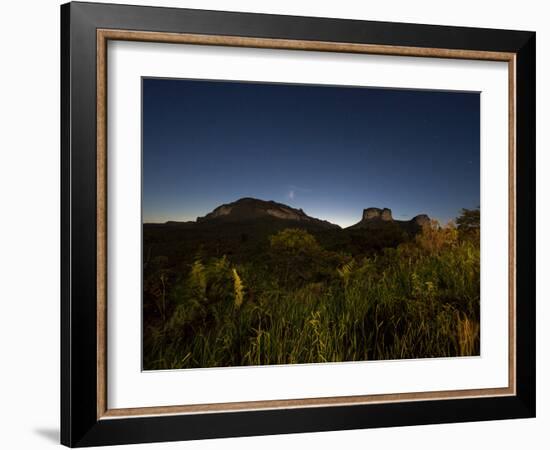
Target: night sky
331 151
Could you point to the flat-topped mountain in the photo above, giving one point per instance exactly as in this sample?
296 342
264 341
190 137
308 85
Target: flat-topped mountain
377 214
378 217
249 209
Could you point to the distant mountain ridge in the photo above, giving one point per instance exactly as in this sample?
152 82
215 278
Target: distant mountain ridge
242 230
250 209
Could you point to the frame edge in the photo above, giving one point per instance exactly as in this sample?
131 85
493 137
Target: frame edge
65 187
79 430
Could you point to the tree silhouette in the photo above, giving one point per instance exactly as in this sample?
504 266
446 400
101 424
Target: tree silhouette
468 219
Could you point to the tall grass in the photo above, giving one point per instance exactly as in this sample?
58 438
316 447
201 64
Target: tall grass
418 300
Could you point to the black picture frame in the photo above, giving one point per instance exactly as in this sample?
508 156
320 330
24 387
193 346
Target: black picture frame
80 425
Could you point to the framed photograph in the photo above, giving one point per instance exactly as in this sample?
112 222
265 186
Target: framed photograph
276 224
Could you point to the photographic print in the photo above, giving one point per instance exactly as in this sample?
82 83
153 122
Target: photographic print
294 224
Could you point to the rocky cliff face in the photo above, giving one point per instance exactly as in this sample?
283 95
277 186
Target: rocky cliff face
380 217
377 214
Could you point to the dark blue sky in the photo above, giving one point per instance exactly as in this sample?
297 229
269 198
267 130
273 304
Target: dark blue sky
331 151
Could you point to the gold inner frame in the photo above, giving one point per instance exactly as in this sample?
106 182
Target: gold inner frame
104 35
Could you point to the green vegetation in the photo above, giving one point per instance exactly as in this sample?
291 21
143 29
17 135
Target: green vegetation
296 296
